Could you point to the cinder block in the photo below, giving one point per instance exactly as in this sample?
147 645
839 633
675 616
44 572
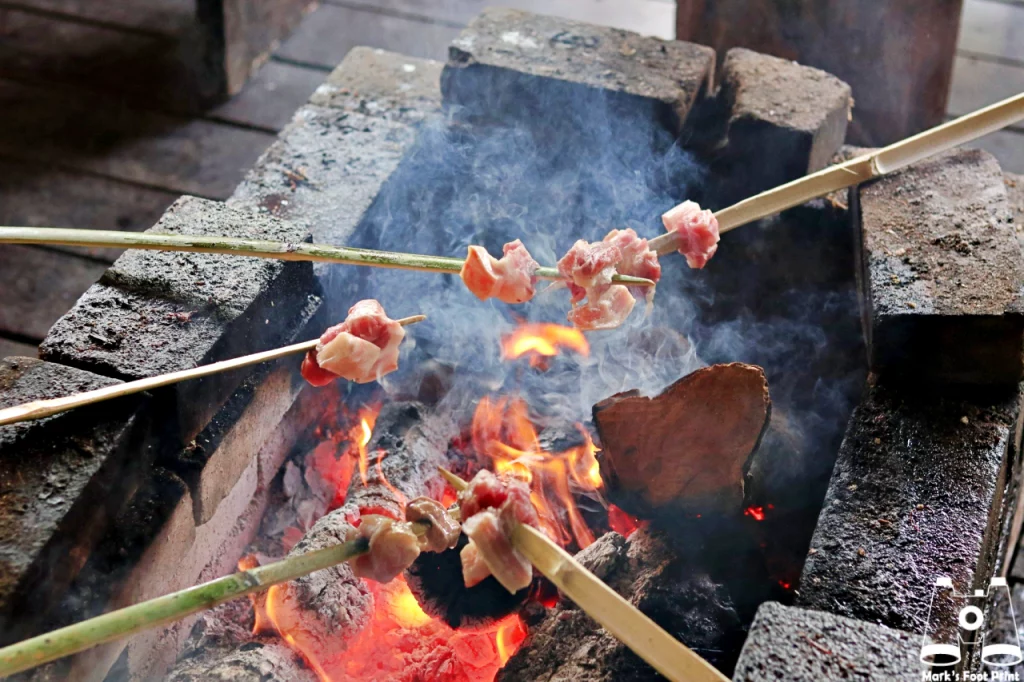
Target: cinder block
376 82
781 121
800 645
916 493
940 272
157 312
513 63
63 478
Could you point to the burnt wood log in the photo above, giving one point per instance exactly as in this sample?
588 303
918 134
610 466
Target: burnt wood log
407 446
324 611
687 449
566 644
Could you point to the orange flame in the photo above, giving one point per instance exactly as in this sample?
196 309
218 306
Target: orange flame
542 340
361 433
401 642
503 432
261 623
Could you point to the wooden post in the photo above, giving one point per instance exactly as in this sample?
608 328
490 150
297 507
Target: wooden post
897 55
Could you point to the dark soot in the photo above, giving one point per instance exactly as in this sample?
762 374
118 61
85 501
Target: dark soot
435 579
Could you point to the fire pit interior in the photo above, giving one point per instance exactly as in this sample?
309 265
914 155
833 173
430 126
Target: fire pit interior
549 131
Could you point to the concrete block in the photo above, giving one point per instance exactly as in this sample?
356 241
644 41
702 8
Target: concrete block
376 82
941 272
157 312
800 645
513 63
917 493
782 121
62 479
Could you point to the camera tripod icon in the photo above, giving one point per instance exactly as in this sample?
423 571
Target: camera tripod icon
971 632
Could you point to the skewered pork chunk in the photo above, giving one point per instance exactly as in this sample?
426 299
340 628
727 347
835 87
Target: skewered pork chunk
512 279
697 230
491 507
589 268
362 349
443 532
393 548
638 259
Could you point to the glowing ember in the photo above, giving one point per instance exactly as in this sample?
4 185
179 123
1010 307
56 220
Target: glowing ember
621 522
757 513
404 644
541 341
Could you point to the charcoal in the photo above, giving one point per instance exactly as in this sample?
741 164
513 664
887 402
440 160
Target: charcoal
568 645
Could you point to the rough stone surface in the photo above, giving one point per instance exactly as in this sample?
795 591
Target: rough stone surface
62 478
157 312
329 164
783 120
380 83
917 493
801 645
1015 194
566 644
512 61
941 272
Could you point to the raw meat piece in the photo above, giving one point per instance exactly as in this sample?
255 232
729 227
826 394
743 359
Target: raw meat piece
493 546
491 507
588 266
474 570
362 349
637 259
606 310
443 532
393 548
697 230
511 279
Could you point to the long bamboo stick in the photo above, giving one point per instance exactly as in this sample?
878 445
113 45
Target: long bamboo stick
258 248
167 609
625 622
886 160
38 409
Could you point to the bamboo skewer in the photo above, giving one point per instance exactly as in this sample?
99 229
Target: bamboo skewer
172 607
258 248
625 622
855 171
37 409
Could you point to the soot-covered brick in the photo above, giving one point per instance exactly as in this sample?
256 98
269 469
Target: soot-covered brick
62 479
941 272
783 120
917 493
800 645
157 312
513 63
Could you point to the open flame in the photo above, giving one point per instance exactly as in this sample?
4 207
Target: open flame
542 341
503 432
404 644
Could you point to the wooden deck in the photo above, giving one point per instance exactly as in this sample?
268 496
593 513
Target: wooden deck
93 136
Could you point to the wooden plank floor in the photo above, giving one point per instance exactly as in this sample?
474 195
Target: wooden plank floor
93 135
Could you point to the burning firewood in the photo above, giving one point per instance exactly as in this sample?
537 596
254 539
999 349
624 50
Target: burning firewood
45 408
688 448
620 618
